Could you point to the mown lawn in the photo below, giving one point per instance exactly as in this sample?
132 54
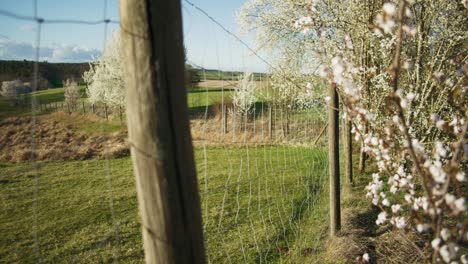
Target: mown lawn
198 96
259 204
52 95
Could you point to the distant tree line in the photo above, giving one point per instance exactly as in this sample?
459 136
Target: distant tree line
50 74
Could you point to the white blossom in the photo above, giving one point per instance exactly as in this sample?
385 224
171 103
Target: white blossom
400 222
445 234
422 227
436 243
366 257
396 208
381 218
105 77
460 176
389 8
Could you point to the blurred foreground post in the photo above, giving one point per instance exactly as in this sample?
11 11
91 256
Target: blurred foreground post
159 132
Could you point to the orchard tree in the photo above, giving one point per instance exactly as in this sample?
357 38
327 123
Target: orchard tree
400 68
11 90
105 77
71 92
244 97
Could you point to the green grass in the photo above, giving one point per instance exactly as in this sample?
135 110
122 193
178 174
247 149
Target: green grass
199 98
52 95
259 204
196 97
8 109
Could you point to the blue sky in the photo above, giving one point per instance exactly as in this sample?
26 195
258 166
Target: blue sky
208 46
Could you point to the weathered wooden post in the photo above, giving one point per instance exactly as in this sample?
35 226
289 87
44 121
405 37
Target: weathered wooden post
84 109
69 110
225 122
105 112
349 150
270 122
94 109
334 161
159 132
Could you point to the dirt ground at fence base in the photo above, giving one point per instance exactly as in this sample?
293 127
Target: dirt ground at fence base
53 140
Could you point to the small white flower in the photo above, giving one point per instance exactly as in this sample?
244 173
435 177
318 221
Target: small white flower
460 176
459 205
436 243
366 257
464 259
408 12
410 96
445 234
440 150
422 227
440 124
400 222
404 103
445 253
449 198
385 202
407 65
381 218
396 208
448 252
389 8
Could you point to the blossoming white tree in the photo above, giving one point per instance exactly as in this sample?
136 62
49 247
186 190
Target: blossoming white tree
402 80
71 92
105 77
10 89
244 96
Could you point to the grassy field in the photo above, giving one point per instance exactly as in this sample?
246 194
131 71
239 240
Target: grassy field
52 95
198 98
259 204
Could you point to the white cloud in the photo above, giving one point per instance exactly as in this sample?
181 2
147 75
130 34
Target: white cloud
12 50
29 28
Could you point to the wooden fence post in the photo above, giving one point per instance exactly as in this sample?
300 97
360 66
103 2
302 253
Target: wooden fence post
105 112
349 151
270 121
84 109
334 161
362 157
159 132
225 123
94 109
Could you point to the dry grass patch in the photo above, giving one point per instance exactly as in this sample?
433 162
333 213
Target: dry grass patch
49 139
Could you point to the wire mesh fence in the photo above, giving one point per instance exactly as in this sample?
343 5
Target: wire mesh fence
69 195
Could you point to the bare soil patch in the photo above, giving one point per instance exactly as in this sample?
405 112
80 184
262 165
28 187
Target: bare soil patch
22 140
